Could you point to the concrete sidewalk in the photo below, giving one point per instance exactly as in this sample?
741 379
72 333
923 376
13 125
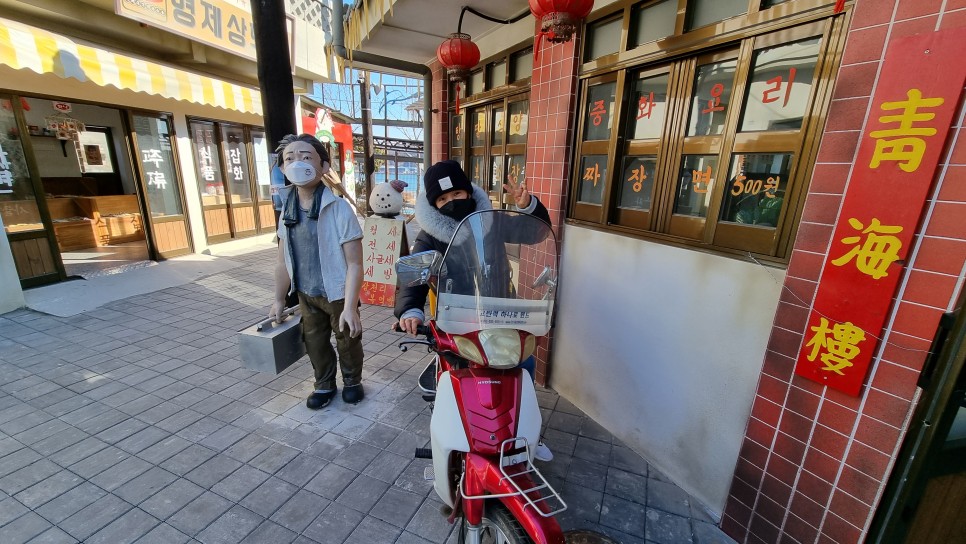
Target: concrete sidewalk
135 422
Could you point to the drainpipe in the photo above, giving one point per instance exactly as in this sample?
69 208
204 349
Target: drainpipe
338 46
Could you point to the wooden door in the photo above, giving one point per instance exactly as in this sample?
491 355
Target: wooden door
262 164
925 498
211 184
238 180
26 219
160 185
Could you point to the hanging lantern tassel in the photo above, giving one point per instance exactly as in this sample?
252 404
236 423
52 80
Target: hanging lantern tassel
839 6
457 98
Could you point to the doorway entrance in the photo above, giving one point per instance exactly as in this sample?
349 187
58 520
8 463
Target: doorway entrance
926 495
88 185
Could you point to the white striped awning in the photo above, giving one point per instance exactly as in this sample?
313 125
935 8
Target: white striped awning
26 47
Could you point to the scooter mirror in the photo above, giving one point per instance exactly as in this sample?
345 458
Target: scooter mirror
416 269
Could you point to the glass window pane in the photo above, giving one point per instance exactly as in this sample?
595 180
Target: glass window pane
478 128
712 95
18 204
519 112
770 3
263 177
522 65
497 74
498 127
475 85
157 163
780 86
516 167
477 170
603 38
496 173
456 134
236 164
705 12
599 109
637 182
646 120
694 186
593 178
653 22
207 164
756 188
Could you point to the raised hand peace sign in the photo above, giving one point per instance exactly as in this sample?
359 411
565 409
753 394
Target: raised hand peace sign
521 196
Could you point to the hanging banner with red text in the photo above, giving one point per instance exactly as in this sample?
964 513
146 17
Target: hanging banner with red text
919 87
382 244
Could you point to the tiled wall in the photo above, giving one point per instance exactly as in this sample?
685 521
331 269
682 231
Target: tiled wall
814 461
553 89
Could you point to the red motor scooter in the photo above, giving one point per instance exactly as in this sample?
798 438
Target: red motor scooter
486 421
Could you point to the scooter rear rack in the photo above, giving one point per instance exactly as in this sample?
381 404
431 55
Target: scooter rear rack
550 500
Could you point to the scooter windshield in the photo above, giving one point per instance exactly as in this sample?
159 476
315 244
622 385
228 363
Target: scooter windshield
499 272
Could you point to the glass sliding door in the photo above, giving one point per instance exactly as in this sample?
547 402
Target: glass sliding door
161 184
25 218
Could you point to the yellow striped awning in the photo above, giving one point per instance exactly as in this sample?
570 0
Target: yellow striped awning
27 47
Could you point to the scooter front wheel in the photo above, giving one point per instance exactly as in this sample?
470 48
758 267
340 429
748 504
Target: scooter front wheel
499 526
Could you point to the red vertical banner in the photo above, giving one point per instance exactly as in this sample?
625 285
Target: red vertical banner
917 95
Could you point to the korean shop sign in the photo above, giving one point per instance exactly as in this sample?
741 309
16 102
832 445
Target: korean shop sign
921 80
384 242
224 24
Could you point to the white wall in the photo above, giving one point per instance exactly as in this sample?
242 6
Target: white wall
663 347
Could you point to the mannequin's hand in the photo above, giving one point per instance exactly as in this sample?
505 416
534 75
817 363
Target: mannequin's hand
276 312
350 319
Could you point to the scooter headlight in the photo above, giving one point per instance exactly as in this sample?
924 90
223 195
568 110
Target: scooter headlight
468 350
501 346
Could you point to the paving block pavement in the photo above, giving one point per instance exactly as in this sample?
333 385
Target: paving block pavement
136 422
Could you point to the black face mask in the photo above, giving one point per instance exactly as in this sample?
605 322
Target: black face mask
458 209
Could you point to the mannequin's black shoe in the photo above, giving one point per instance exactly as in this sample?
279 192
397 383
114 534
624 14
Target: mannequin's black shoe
353 394
317 401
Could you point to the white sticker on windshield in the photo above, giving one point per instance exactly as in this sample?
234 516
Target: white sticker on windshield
445 183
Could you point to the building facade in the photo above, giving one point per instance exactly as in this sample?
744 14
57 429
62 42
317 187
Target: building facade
135 130
708 168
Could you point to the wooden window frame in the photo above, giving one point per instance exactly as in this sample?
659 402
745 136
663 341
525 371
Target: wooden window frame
791 21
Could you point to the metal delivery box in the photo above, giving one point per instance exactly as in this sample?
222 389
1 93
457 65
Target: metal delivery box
272 347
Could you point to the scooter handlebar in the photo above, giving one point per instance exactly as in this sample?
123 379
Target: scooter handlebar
420 329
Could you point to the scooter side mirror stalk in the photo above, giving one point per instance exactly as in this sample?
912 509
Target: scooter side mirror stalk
417 268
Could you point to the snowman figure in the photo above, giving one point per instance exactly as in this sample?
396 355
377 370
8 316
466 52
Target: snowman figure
386 199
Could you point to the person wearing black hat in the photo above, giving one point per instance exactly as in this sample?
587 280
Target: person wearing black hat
450 197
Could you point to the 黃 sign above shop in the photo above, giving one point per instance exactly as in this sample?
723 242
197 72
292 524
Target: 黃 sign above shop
224 24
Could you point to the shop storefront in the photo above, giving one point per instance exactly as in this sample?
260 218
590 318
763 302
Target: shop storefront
102 175
132 133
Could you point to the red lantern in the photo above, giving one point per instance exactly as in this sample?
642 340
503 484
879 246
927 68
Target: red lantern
559 18
459 55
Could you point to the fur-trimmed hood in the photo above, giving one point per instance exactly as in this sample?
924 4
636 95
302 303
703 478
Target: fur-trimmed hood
440 226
